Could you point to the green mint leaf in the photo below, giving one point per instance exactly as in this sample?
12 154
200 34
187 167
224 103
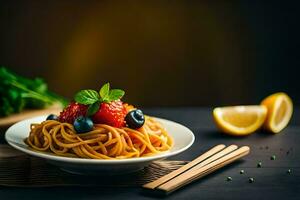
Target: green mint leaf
104 91
87 97
93 108
116 94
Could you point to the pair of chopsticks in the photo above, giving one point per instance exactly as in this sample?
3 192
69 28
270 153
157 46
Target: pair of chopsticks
216 158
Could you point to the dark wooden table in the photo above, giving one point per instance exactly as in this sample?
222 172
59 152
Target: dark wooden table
271 181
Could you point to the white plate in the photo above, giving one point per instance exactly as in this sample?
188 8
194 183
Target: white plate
183 139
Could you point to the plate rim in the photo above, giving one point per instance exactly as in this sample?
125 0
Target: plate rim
57 158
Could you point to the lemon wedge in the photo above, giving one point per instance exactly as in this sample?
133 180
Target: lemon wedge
280 109
240 120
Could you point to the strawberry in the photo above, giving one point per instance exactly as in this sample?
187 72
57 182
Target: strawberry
72 111
112 113
104 106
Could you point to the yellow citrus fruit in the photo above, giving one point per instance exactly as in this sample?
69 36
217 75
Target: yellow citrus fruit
280 109
240 120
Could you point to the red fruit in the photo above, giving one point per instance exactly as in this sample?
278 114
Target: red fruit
112 114
72 111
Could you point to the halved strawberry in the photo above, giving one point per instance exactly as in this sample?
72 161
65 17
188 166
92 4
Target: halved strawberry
72 111
112 113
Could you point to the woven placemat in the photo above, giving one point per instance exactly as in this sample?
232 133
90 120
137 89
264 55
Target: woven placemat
20 170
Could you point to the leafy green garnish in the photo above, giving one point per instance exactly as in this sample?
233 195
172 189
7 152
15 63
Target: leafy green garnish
116 94
104 91
87 97
93 108
93 98
18 93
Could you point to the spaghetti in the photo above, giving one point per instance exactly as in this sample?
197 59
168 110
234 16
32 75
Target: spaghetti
103 142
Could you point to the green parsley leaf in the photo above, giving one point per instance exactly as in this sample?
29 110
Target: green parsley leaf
6 108
87 97
116 94
18 93
104 91
93 108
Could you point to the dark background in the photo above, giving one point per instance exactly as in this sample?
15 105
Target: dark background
163 53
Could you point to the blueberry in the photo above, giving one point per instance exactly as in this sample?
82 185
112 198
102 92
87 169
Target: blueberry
52 117
83 124
135 119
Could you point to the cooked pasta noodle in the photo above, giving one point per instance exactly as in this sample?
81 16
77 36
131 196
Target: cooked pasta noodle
103 142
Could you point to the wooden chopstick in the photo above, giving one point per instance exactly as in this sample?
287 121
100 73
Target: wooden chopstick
216 156
162 180
211 155
195 174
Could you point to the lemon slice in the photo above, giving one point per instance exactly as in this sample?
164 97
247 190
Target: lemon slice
240 120
280 109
